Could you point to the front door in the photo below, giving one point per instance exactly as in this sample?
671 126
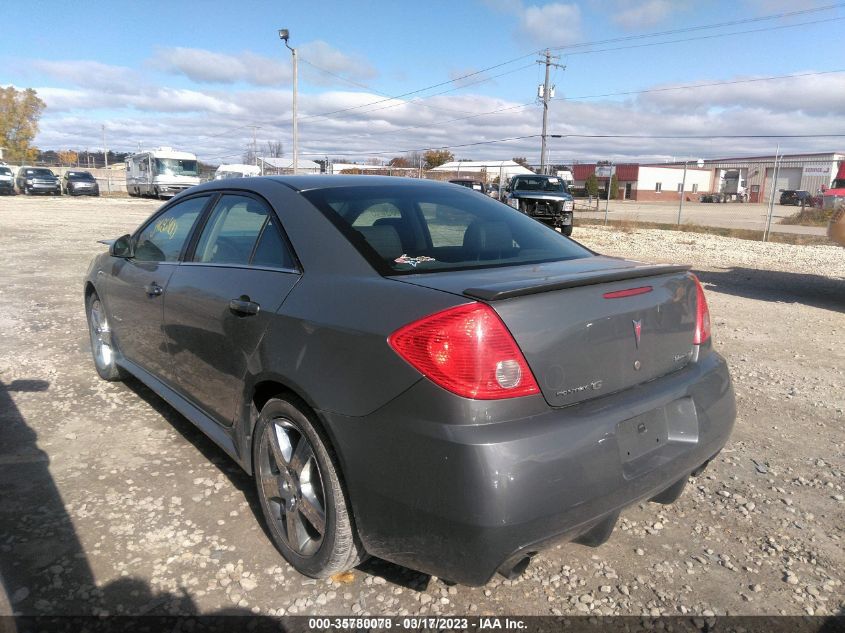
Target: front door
137 286
627 191
219 304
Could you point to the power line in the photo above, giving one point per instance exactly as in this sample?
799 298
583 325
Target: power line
697 136
707 85
703 27
708 37
425 149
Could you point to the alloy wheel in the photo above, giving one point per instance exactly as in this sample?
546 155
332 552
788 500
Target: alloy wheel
100 335
292 485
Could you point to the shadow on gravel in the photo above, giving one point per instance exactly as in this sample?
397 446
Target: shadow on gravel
769 285
44 570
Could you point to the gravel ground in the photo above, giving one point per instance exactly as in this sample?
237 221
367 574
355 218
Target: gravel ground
110 502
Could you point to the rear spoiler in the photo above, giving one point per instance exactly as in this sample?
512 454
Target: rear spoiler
508 290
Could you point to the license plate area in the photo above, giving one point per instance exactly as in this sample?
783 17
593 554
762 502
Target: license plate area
650 439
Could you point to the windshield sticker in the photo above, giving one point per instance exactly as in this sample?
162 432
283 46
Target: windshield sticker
413 261
554 181
167 226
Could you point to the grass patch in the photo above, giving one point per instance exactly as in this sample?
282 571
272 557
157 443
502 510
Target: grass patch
810 216
630 226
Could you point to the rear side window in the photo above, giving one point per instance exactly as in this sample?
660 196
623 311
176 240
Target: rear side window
164 237
417 229
241 230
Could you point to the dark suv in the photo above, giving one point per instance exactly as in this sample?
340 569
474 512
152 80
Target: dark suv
7 181
796 197
80 183
38 180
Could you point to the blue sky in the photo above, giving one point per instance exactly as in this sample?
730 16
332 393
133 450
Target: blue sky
196 75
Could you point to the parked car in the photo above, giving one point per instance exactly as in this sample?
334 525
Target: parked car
475 185
7 181
544 198
412 371
77 183
38 180
796 197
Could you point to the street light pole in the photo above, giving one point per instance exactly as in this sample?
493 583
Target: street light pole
683 188
285 34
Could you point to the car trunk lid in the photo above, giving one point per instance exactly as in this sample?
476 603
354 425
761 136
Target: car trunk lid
591 326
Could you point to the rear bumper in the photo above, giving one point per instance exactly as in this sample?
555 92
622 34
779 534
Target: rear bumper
460 488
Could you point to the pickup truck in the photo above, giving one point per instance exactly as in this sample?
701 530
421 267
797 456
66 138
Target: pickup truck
544 198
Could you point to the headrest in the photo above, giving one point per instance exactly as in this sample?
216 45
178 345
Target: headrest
384 239
488 236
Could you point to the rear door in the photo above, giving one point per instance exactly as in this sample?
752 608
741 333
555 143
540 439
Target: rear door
136 286
220 303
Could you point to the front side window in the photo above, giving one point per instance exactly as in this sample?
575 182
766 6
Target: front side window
164 237
242 231
404 230
175 167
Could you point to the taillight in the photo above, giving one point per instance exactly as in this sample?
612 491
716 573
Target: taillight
702 315
466 350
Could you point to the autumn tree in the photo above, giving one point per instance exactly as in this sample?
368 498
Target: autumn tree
521 160
399 161
592 185
68 157
436 157
19 114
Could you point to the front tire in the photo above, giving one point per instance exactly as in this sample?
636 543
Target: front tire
305 507
102 347
566 230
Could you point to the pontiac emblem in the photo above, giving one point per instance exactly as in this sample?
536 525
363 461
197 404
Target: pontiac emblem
638 328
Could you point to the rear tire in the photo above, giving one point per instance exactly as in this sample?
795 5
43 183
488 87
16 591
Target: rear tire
305 507
102 347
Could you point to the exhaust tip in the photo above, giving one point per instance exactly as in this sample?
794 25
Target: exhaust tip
515 570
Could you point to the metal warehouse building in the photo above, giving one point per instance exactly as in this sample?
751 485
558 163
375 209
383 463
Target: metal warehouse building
810 172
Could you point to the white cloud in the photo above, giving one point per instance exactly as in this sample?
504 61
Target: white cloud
550 25
86 73
333 60
204 66
214 123
637 14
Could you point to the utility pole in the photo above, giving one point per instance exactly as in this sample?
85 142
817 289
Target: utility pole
254 144
105 150
547 92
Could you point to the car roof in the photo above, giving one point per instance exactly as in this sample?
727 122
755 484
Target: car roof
314 182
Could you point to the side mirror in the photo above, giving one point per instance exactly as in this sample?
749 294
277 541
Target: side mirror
121 247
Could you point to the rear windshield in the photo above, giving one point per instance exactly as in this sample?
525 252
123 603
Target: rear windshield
409 229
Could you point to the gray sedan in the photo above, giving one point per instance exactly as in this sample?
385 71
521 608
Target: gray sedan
412 371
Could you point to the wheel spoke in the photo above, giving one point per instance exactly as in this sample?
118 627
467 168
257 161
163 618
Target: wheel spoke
313 514
278 442
272 488
301 455
293 529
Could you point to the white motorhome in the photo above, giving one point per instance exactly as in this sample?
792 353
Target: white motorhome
236 171
161 172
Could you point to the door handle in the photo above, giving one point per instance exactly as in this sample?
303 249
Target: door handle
153 289
243 306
